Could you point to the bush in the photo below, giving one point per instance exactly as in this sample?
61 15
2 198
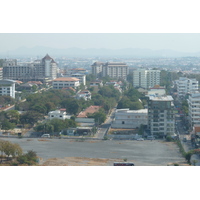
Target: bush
105 138
29 158
169 139
176 164
181 148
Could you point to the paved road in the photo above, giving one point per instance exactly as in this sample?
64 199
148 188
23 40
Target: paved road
104 127
186 145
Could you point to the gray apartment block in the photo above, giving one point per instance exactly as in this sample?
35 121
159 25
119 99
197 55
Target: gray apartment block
161 118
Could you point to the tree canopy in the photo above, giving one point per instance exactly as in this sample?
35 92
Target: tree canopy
131 99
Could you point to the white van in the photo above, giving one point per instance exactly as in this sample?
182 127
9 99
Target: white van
45 136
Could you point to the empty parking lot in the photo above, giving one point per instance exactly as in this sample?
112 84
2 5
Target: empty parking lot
142 153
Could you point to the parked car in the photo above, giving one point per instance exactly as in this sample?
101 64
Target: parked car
140 139
150 137
45 136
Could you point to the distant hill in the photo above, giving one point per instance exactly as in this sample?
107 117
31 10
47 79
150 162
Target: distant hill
127 52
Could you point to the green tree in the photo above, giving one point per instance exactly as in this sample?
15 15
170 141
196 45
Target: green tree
2 146
9 149
90 77
34 88
50 106
72 106
99 117
58 124
6 125
30 117
130 78
30 158
13 116
136 105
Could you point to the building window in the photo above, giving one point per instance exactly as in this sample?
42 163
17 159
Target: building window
123 122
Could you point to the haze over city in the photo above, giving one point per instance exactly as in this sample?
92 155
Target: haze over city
183 42
100 44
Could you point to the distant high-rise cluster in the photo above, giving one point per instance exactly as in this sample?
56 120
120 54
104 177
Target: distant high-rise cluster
111 69
43 69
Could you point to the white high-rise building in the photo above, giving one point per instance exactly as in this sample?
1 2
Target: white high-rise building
97 69
7 87
194 108
115 70
146 78
1 73
186 86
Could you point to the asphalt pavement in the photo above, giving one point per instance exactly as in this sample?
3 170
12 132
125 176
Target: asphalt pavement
187 145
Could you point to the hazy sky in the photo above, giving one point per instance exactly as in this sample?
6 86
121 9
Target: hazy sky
185 42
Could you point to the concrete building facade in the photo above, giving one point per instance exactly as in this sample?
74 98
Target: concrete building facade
111 69
194 108
186 86
45 68
81 77
161 119
125 118
7 87
64 82
115 70
97 68
59 114
146 78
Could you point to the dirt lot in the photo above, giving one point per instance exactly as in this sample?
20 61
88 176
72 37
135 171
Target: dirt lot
79 161
69 152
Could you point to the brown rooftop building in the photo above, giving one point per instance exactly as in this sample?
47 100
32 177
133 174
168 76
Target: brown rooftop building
90 110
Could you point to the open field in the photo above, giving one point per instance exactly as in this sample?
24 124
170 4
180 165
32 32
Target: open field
63 152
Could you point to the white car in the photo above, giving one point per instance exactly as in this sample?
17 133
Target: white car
150 137
45 136
140 139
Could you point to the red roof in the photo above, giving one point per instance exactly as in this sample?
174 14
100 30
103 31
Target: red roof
78 69
66 79
91 110
35 82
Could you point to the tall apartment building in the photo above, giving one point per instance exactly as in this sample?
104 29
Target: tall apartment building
45 68
115 70
1 73
111 69
186 86
194 108
7 87
161 119
97 69
81 77
146 78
